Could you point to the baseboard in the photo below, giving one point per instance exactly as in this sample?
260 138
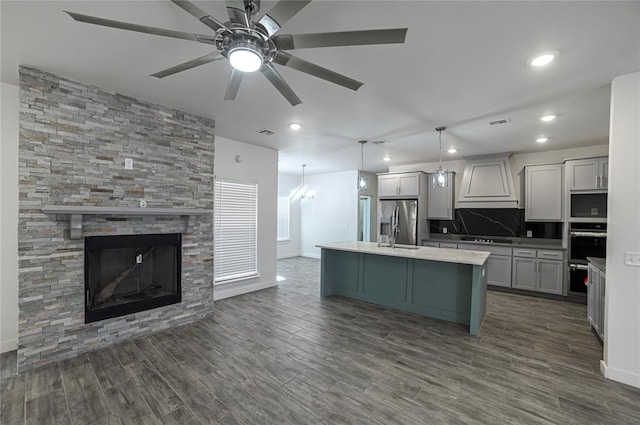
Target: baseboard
282 257
221 292
632 379
310 255
9 345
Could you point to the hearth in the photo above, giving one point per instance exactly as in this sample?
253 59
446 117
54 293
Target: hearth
125 274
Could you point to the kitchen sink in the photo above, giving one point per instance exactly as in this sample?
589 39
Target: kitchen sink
407 247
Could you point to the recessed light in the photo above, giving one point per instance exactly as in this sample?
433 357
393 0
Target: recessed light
544 58
295 126
547 118
452 150
387 158
542 139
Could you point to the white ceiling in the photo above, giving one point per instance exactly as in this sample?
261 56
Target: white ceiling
463 65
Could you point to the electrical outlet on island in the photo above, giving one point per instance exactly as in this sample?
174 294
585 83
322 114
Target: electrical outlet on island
529 233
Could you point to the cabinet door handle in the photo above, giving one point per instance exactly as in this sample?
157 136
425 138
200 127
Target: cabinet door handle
597 180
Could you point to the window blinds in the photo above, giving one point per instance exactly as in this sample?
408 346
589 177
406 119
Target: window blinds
236 230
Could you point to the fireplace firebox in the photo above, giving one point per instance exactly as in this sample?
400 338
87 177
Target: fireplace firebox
125 274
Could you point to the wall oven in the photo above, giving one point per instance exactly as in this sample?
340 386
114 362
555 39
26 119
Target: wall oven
585 240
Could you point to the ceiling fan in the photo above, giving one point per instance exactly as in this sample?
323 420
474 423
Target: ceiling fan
251 45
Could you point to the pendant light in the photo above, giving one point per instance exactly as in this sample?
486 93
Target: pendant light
302 193
362 179
440 178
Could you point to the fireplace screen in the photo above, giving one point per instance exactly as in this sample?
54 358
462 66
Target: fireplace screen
130 273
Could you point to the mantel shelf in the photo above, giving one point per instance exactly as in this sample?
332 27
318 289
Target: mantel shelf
77 212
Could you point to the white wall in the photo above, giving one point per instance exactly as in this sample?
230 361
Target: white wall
261 165
333 213
622 311
517 161
9 218
288 185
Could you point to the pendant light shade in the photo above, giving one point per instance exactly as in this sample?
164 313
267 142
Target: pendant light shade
440 178
303 193
363 182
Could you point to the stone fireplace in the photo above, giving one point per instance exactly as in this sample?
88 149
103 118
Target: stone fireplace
74 140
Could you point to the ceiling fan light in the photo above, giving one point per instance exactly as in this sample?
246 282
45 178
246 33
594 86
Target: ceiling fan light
245 59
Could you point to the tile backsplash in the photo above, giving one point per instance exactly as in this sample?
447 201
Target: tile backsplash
506 222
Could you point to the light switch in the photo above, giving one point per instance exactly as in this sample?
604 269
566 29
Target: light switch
128 164
632 259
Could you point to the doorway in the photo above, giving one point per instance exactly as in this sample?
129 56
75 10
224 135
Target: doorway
364 231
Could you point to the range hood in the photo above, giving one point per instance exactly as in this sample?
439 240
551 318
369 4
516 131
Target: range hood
487 182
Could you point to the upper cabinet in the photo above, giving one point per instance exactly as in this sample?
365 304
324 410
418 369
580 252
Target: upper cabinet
399 185
487 183
543 193
440 199
588 174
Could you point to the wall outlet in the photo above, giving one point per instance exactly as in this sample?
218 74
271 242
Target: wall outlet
445 230
128 164
529 233
143 203
632 259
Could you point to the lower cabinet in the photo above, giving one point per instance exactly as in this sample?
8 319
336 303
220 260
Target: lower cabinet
539 274
499 270
595 299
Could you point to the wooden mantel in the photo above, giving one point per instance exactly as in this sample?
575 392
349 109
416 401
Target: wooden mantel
77 212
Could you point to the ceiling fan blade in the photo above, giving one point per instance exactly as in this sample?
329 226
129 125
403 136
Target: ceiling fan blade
200 14
210 57
235 9
278 82
234 84
281 13
344 38
138 28
286 59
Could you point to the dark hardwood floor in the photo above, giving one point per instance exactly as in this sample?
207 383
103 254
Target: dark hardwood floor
286 356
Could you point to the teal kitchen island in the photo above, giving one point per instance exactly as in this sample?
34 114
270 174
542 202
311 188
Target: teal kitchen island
447 284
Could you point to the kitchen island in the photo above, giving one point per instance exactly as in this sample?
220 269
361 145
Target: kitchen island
447 284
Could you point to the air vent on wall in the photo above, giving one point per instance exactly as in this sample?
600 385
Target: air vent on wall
500 121
266 132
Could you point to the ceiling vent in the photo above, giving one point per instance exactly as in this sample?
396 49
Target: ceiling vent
266 132
380 142
500 122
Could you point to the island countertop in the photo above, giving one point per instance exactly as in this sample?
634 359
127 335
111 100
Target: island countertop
460 256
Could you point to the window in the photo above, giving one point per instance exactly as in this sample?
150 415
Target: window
236 230
283 218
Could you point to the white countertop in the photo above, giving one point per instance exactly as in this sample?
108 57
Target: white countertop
461 256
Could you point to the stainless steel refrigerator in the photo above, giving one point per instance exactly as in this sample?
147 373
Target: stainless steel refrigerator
406 211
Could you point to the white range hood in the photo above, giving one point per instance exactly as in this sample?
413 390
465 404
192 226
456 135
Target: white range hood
487 182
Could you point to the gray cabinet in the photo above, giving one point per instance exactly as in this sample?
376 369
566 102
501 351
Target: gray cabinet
538 270
399 185
524 273
588 174
440 199
543 193
499 270
595 299
498 263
